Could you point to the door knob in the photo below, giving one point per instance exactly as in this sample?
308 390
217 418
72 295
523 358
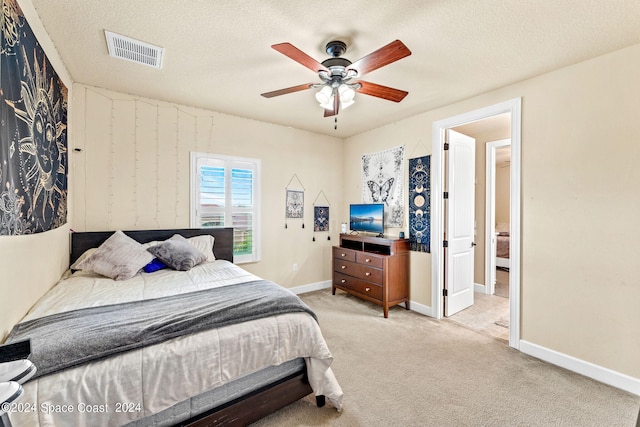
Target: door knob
473 244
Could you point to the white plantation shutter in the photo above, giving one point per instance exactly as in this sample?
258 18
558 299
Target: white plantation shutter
225 193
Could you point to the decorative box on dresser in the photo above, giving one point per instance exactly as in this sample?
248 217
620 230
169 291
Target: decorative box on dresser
373 268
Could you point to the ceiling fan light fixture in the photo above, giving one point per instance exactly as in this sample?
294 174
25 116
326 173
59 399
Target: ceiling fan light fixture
328 105
346 104
346 94
324 95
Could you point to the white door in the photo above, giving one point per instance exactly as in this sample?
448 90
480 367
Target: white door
459 254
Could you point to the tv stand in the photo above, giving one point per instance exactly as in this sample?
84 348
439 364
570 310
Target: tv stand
375 269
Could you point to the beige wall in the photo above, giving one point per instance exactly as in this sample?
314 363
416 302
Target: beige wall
580 132
133 173
503 188
31 264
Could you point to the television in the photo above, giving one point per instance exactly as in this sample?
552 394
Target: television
367 217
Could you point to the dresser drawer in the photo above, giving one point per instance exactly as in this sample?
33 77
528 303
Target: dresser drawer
358 285
360 271
344 254
368 258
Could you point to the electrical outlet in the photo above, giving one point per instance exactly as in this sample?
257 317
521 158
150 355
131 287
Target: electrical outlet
295 267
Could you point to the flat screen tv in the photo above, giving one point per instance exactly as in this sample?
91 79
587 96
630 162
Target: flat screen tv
367 217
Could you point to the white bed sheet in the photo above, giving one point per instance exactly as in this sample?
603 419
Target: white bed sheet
135 384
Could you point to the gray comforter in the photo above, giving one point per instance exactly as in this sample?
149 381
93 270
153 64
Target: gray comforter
68 339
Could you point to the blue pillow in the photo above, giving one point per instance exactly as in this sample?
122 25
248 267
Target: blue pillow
178 253
154 265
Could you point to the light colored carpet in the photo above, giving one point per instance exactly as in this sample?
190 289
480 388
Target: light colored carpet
411 370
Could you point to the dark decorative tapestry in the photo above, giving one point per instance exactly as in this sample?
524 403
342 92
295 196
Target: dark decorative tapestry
420 204
321 218
33 132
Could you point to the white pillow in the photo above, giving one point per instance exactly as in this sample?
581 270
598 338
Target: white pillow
119 257
80 260
204 243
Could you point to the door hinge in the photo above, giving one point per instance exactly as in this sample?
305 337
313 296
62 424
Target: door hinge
445 244
446 146
446 195
445 293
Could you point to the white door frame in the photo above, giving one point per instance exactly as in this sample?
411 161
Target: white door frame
490 215
514 107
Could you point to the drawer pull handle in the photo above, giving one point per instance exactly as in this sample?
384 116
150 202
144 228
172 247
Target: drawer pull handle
367 274
367 289
343 281
343 266
367 260
343 254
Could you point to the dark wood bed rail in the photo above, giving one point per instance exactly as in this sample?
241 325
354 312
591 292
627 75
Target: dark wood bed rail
254 406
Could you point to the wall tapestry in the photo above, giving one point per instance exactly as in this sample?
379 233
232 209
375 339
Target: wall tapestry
382 182
295 204
321 218
321 212
33 133
420 204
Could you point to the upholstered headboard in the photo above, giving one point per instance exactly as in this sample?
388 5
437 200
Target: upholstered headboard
222 248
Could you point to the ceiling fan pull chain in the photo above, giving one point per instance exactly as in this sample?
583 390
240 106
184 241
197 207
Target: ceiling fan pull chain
335 126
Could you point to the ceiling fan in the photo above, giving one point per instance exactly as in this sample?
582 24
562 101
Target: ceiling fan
340 77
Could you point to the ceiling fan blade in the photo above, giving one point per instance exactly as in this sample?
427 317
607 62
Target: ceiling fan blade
384 92
329 113
299 56
287 90
336 107
385 55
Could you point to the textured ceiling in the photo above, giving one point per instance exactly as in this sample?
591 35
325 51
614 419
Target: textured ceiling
218 54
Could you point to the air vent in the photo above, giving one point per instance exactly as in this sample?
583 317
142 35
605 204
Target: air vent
134 50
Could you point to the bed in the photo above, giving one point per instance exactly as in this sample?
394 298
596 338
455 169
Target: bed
150 349
502 246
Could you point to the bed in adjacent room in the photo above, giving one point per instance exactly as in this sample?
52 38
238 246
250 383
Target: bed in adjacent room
502 246
191 339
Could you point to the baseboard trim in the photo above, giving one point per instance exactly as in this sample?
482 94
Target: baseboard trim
477 287
588 369
421 309
311 287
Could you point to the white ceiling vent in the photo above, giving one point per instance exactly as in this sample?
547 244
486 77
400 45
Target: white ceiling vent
134 50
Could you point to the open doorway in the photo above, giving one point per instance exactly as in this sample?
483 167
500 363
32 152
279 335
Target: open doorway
489 313
512 108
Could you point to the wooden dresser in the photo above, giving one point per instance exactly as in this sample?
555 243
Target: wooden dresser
373 268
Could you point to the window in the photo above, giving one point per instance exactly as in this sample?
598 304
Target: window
225 192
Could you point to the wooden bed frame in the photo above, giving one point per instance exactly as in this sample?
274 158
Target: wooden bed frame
248 408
